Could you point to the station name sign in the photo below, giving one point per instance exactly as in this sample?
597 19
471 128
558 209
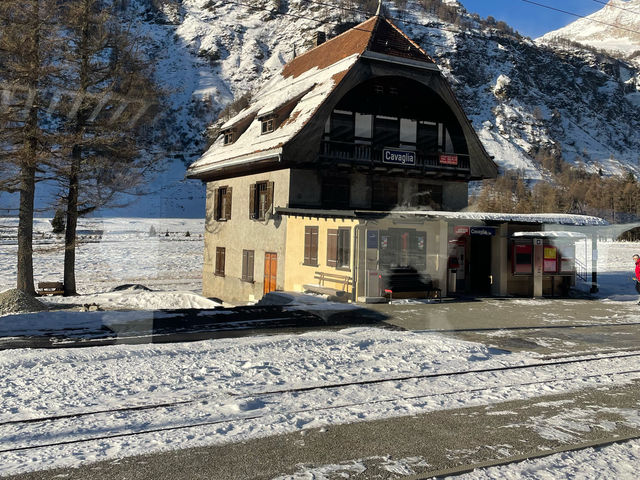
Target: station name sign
398 157
484 231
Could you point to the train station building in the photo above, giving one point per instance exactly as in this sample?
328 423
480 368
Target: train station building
348 173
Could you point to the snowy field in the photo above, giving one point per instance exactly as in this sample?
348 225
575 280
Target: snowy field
233 387
114 251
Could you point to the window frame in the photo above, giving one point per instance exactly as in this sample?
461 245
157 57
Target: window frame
222 198
268 125
257 208
339 242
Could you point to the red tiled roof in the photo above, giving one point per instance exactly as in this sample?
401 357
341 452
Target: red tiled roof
376 34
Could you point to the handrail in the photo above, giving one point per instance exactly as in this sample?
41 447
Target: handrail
366 153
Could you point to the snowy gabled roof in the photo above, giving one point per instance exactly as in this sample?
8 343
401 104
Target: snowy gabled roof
305 82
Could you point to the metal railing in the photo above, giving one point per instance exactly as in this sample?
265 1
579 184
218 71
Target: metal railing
367 154
581 270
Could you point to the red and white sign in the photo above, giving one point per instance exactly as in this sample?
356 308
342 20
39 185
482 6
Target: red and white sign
448 159
461 230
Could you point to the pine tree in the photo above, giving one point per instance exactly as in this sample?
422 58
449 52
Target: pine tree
106 129
27 59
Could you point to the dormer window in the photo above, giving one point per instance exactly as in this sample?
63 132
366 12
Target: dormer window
268 124
229 137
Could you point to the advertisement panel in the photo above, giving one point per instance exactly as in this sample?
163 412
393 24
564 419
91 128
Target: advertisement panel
550 259
522 259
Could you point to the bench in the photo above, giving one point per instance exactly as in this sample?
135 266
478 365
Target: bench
50 288
406 282
341 281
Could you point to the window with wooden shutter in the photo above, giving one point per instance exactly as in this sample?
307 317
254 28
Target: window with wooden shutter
247 265
220 254
311 246
260 199
222 203
332 247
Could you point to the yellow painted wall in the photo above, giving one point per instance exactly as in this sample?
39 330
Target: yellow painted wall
297 274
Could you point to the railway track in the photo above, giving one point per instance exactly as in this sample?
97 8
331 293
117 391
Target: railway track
333 390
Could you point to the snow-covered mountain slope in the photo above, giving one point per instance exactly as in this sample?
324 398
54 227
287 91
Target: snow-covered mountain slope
614 29
522 96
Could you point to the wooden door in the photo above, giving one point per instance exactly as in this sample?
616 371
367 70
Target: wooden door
270 272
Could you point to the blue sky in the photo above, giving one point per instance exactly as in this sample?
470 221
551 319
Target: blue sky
531 20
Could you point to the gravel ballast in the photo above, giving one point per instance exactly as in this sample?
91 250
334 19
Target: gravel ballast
16 301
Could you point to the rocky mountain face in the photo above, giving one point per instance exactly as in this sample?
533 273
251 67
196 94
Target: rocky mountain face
523 97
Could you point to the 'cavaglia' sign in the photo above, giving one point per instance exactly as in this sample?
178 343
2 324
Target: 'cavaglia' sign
398 157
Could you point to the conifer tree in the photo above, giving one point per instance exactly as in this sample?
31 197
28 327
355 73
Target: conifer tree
27 59
108 118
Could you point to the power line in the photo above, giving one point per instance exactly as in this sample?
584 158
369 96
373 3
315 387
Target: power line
566 12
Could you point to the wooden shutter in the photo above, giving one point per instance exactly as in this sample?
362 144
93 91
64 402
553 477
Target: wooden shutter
227 213
310 245
332 247
307 245
215 204
314 246
269 202
247 265
252 201
250 256
220 261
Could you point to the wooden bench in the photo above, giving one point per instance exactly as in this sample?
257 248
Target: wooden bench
50 288
341 281
407 282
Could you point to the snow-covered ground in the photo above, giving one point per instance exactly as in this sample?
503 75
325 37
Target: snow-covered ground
229 389
113 251
226 382
620 461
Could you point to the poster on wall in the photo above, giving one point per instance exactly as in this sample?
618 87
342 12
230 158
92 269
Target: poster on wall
522 259
372 239
550 259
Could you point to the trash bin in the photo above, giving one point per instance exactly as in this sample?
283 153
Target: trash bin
453 279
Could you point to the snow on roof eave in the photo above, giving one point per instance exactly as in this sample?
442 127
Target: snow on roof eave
533 218
400 60
549 234
231 162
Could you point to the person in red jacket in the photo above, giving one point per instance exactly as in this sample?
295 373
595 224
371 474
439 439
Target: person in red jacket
636 277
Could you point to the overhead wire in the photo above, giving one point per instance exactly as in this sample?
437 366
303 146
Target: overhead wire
566 12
